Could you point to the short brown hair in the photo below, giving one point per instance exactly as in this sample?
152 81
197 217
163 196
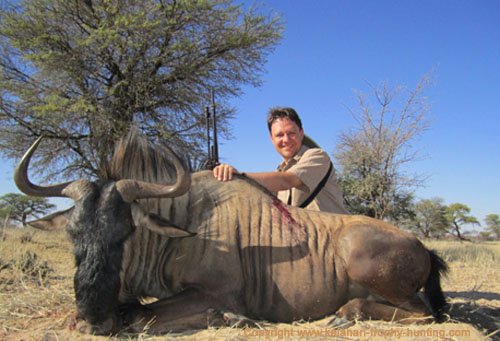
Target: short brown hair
277 113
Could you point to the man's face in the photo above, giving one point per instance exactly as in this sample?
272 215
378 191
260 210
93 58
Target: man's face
286 137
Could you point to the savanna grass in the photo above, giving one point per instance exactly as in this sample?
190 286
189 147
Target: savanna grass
37 298
454 251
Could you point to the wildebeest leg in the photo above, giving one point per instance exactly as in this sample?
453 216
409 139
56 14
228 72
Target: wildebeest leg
362 309
188 310
389 265
238 321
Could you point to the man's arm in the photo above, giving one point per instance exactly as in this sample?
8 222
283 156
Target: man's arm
276 181
273 181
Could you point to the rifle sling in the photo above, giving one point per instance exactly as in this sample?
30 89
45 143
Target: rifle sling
316 190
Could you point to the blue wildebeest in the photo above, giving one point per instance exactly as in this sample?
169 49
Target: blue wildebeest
201 246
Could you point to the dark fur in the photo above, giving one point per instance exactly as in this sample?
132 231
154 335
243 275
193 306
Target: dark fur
101 222
98 240
432 288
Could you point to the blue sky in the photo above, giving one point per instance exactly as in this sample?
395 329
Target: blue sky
331 48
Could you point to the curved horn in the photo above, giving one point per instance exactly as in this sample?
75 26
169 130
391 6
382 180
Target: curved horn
131 190
24 184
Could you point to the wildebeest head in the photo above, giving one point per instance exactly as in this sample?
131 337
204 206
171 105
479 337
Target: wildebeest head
103 217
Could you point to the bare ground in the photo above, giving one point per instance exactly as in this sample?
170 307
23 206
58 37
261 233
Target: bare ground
37 302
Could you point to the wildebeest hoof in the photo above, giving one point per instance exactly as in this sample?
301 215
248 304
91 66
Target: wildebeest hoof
135 317
130 311
105 328
215 318
239 321
340 322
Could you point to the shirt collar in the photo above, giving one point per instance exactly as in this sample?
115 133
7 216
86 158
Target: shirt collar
287 164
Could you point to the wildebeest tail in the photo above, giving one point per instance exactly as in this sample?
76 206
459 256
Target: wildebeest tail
432 288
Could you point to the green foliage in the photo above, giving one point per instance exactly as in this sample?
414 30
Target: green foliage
429 219
492 222
4 213
21 207
83 72
458 216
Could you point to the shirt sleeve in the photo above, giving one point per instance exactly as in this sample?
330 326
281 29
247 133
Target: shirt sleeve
311 168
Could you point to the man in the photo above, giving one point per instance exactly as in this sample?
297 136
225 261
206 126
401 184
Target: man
305 177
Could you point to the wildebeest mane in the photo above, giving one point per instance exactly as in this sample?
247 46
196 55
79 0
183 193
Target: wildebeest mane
136 158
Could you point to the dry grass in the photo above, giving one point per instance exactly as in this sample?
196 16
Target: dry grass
37 302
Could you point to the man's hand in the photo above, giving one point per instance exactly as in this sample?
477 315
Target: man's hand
224 172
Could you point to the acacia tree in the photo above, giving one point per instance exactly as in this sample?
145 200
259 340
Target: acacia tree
458 215
492 222
82 72
20 207
430 218
371 156
4 213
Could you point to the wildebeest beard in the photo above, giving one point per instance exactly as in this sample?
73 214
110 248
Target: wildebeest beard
100 225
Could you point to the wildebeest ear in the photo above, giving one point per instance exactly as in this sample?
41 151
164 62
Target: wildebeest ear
158 224
54 221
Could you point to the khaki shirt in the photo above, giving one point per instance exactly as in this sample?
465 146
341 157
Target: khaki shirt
311 166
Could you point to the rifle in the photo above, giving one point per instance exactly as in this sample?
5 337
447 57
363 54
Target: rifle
212 151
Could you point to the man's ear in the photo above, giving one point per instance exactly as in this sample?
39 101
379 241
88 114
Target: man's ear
157 224
54 221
